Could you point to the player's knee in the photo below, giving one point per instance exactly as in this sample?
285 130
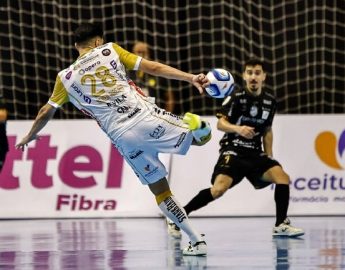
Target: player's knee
221 184
283 178
218 191
278 176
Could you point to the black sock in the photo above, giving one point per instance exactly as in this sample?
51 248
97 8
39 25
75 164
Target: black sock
200 200
281 197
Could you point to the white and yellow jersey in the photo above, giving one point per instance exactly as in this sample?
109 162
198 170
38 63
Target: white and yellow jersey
97 84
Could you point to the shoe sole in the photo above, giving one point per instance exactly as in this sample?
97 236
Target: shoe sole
195 255
201 254
288 235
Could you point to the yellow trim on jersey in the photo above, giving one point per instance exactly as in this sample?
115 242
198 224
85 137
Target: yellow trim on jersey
161 197
128 59
60 95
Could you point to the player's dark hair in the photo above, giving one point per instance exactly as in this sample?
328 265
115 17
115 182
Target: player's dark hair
253 62
87 31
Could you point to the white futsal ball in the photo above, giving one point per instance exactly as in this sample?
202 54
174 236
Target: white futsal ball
221 83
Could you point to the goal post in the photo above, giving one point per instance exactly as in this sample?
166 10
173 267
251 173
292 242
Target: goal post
301 42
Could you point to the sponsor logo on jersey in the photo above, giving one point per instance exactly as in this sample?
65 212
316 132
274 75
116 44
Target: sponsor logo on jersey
267 102
87 60
244 120
147 168
265 114
150 171
90 67
106 52
158 132
68 75
164 112
253 111
80 93
115 90
123 109
117 101
113 64
135 154
103 98
241 143
134 112
238 94
229 152
180 139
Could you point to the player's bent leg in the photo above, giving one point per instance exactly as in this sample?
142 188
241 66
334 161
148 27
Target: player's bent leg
283 225
175 212
221 185
204 197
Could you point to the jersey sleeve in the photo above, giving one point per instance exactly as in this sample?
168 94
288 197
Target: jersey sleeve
272 114
128 59
60 95
225 109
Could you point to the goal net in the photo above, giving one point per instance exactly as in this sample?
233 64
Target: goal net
302 43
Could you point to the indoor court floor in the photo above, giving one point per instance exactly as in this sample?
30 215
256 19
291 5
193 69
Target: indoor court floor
143 243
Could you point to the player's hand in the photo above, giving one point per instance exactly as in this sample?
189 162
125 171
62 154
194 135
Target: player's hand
24 142
200 81
246 132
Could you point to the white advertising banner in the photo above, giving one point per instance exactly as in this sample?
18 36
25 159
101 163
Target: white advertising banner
311 149
72 171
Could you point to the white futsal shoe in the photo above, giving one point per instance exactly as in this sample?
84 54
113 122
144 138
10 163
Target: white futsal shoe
287 230
196 249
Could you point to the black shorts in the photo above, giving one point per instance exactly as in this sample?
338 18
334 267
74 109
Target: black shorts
240 166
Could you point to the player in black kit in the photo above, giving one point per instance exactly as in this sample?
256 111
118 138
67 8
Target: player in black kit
246 149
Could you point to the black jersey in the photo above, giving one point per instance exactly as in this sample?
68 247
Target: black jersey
243 108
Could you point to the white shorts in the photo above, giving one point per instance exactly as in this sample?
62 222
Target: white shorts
160 132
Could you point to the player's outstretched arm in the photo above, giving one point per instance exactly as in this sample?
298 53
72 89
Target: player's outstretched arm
44 115
245 131
158 69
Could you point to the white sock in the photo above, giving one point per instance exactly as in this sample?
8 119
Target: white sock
172 209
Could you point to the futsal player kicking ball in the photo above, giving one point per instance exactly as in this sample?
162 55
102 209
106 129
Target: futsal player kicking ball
246 149
97 84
